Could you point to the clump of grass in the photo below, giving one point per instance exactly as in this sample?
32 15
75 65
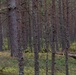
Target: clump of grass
73 47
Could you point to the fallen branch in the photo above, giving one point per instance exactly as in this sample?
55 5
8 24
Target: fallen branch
72 55
69 54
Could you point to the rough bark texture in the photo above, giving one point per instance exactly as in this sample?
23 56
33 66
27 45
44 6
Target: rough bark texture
24 24
30 24
66 22
20 50
53 37
0 32
35 36
13 25
62 26
46 35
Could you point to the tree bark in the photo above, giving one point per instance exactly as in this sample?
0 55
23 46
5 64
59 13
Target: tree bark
66 22
19 25
24 20
35 35
1 40
13 24
53 37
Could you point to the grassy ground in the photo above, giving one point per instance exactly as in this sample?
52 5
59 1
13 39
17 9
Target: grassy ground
9 65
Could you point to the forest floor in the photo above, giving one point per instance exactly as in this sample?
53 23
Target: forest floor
9 65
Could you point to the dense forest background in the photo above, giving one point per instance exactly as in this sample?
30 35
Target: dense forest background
37 37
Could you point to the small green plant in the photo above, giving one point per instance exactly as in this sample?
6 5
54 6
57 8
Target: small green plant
5 44
73 47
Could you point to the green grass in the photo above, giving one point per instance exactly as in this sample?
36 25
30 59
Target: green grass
10 65
73 47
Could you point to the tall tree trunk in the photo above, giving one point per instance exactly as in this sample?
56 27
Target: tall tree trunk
66 21
20 50
46 35
30 24
53 37
40 25
0 32
35 35
24 24
8 29
62 27
13 24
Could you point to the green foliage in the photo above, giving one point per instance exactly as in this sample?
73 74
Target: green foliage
73 47
5 44
27 50
43 50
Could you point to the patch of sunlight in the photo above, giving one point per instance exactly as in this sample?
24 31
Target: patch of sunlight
3 53
11 70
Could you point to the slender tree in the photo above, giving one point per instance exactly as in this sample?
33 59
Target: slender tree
66 21
40 24
20 50
53 35
46 35
62 27
30 23
0 31
35 35
24 17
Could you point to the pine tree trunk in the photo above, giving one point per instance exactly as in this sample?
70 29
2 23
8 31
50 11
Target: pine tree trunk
30 24
0 32
66 23
25 22
20 50
35 35
13 24
62 27
46 35
53 37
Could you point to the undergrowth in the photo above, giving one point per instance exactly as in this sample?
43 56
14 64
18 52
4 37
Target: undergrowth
9 65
